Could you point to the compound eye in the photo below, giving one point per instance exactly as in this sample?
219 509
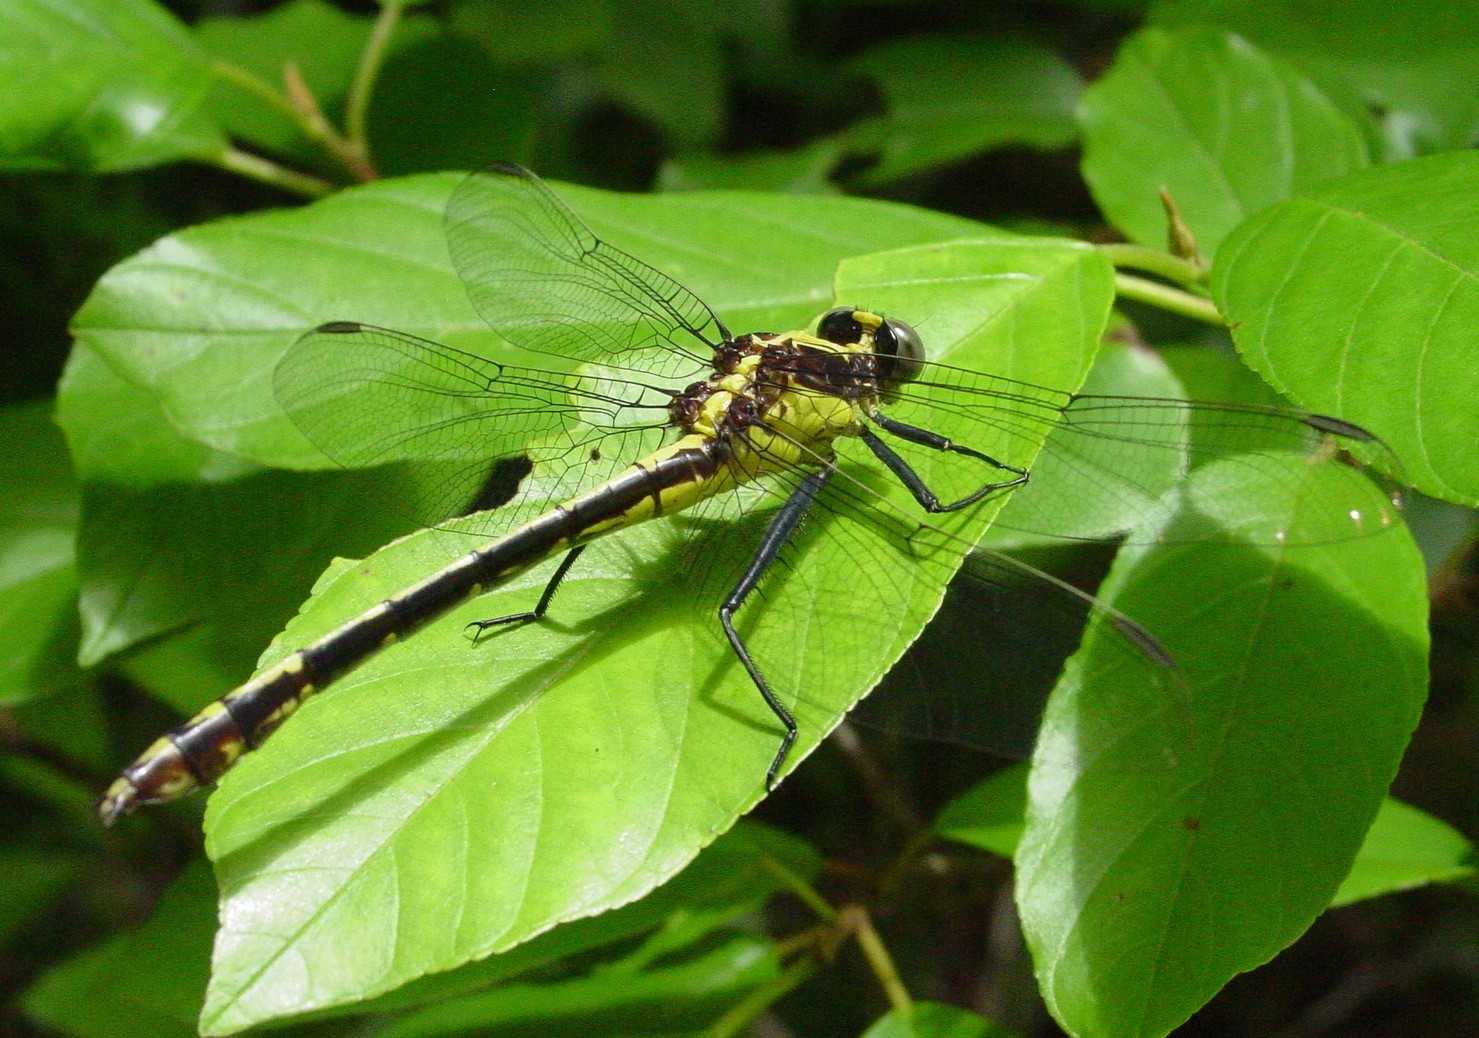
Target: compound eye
840 326
901 343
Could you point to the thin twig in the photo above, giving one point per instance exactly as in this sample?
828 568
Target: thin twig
746 1010
1167 298
261 90
269 172
878 958
1155 261
800 887
357 106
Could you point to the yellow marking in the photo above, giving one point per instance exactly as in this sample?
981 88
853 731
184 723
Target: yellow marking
870 322
306 690
390 639
294 663
218 707
159 747
230 750
177 785
475 591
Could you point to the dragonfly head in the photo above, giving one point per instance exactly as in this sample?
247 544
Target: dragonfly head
896 345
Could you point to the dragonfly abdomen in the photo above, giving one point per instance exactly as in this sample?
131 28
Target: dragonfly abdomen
205 747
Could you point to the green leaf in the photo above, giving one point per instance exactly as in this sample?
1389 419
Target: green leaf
1411 65
934 1020
668 999
730 877
665 62
449 801
38 575
1360 297
100 86
73 721
951 97
989 815
199 319
30 880
119 434
142 984
1225 128
1406 848
518 34
476 113
1216 374
237 555
804 171
1062 496
1199 834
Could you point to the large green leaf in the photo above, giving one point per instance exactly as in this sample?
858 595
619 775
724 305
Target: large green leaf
1360 298
1225 128
950 97
38 574
1195 835
444 802
200 318
1411 65
100 85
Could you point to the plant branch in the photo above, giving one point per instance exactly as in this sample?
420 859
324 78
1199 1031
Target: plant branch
357 107
1167 298
1155 261
266 171
878 958
800 887
746 1010
262 91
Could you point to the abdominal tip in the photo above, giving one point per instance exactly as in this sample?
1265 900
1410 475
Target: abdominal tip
121 799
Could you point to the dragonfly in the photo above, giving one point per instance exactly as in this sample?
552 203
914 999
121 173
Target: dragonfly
787 456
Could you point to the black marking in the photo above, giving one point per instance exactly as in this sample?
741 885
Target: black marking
203 745
501 484
341 328
1339 427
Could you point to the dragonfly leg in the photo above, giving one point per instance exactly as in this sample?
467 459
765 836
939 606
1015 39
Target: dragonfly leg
776 535
544 600
922 493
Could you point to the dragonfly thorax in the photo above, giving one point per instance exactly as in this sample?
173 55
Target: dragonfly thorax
780 399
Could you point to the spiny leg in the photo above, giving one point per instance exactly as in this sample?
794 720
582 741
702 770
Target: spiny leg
916 486
776 535
544 599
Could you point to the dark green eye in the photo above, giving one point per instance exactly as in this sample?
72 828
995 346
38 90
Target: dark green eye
840 326
901 344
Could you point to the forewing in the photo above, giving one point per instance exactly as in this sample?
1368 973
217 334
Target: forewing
1108 462
370 397
545 282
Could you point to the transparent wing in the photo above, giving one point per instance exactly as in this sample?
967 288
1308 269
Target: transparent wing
1108 462
369 397
544 282
851 590
981 673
